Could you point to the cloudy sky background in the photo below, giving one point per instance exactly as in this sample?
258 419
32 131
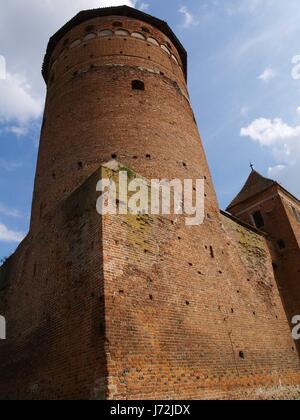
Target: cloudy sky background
244 79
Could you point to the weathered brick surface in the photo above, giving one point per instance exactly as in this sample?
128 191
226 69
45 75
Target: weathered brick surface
134 306
92 113
275 205
179 320
54 307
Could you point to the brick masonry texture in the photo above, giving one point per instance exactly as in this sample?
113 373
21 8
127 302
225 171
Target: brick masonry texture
276 206
137 307
54 307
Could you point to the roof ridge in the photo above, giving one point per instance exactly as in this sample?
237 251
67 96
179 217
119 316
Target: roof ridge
254 184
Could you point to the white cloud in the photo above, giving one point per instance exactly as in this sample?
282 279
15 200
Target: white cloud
9 212
276 170
244 111
19 131
268 75
10 236
17 102
144 7
2 68
284 143
270 132
9 165
25 28
189 18
298 110
266 23
234 7
287 176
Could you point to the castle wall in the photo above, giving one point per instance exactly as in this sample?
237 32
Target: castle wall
52 297
193 312
132 307
281 225
288 267
289 203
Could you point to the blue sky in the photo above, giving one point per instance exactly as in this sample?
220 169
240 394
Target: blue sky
244 87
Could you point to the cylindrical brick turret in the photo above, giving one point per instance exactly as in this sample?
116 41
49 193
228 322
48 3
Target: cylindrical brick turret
116 80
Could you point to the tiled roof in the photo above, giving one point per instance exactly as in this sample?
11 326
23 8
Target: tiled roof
255 184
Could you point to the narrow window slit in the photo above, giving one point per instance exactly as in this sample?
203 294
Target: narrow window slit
138 85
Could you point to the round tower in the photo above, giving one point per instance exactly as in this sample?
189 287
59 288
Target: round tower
116 89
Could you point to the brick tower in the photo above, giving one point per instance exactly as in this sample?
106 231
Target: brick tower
123 306
116 84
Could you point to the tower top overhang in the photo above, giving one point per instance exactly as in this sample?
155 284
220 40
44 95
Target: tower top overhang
125 11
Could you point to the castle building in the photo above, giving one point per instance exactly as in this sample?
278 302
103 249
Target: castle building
270 208
142 307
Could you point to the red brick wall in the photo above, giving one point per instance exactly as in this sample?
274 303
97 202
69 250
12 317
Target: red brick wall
143 307
54 307
281 224
179 320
